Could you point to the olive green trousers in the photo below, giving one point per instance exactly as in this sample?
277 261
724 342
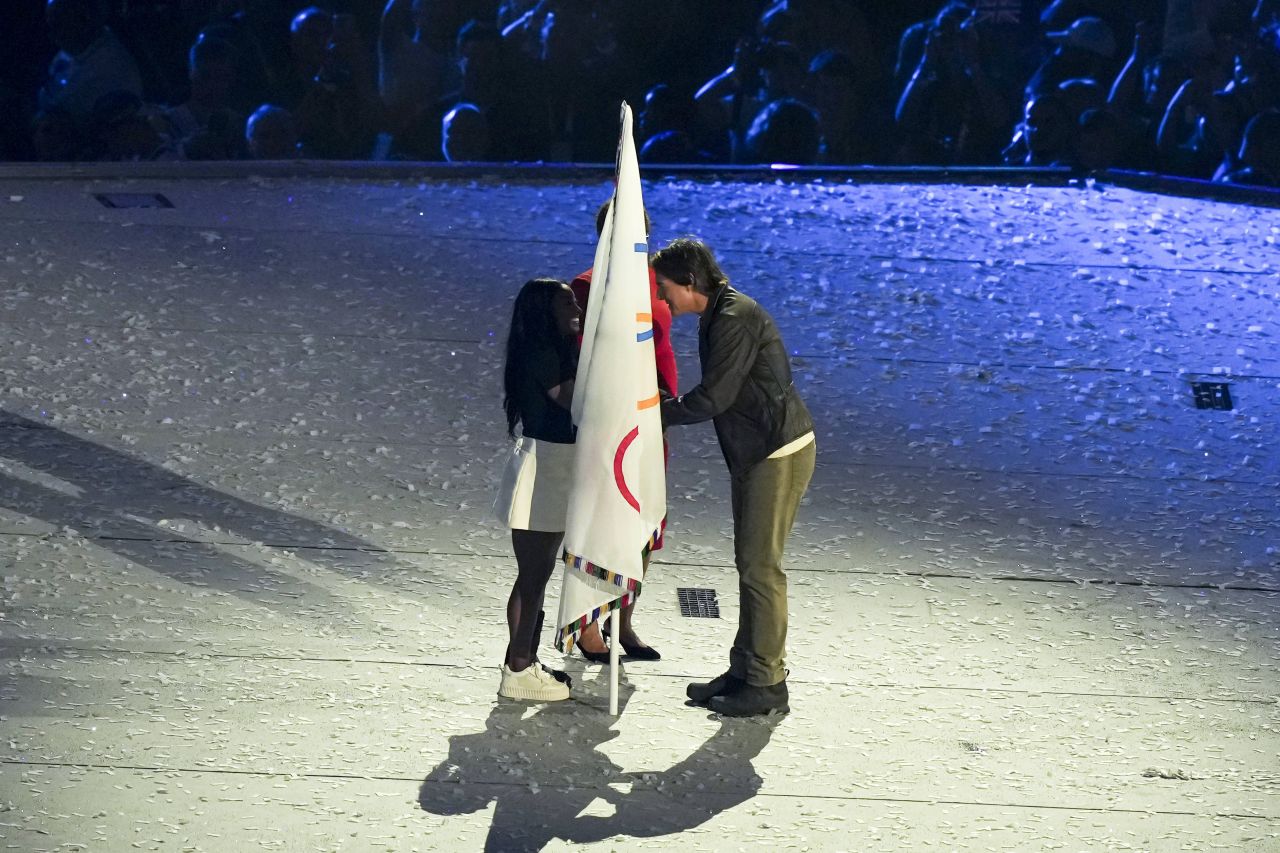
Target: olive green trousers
765 500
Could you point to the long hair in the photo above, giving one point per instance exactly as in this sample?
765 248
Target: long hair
533 325
688 260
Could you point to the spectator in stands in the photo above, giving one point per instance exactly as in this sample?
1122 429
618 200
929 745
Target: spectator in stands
784 71
719 103
1086 49
766 67
665 126
533 74
1182 137
1254 88
785 131
1098 142
815 26
1044 138
491 79
479 56
762 72
1010 44
665 109
465 135
122 128
309 34
207 126
778 24
416 71
577 50
1186 35
1081 94
834 93
337 112
949 112
1189 139
671 146
1259 157
90 64
1120 17
259 33
911 46
272 134
1140 96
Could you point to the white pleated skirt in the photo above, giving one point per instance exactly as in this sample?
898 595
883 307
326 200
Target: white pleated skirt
534 492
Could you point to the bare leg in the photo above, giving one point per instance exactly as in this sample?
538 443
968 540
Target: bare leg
536 554
591 641
628 634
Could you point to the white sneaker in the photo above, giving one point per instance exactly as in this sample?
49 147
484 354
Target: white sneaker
532 683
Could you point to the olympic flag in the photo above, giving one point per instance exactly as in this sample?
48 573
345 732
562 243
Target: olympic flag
619 494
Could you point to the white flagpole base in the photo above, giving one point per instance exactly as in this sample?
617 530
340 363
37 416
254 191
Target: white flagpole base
615 640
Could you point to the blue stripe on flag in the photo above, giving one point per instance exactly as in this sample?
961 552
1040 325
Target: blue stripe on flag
642 247
644 336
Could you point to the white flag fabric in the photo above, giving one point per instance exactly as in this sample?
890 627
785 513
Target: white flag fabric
619 493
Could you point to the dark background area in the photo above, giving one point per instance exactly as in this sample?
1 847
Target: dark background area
1025 83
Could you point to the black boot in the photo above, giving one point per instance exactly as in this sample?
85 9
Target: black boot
722 685
558 674
752 701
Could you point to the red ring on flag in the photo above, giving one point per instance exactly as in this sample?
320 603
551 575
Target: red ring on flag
617 469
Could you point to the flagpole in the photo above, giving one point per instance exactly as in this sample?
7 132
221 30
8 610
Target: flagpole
615 640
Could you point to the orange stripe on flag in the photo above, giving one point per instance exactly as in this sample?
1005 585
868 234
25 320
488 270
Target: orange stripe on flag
644 318
647 404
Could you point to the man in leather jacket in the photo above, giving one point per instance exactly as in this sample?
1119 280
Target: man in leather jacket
766 436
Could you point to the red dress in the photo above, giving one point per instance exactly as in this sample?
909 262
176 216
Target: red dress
662 351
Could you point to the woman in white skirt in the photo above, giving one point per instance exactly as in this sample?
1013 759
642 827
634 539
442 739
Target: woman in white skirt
542 356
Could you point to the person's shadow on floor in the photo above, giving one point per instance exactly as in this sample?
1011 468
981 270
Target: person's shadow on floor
714 778
543 770
540 770
115 500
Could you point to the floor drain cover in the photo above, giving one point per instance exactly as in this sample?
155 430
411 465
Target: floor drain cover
122 200
1212 395
697 602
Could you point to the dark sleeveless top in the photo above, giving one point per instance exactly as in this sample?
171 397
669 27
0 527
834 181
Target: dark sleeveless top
541 418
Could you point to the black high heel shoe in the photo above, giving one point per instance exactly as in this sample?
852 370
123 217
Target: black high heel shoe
594 657
635 652
641 652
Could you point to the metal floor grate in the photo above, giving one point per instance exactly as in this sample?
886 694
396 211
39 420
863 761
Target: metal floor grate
1212 395
698 602
124 200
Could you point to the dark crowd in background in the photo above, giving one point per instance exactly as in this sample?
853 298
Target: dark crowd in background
1180 87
